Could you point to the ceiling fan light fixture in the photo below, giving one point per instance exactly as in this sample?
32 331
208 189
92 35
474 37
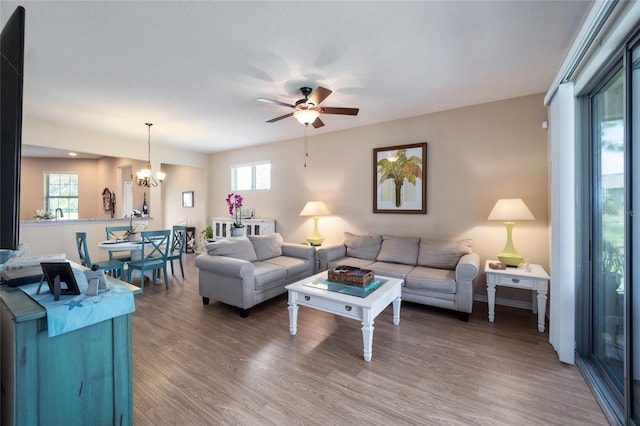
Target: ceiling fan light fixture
306 116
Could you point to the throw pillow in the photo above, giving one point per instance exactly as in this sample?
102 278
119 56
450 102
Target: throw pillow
399 250
238 248
267 246
362 246
442 254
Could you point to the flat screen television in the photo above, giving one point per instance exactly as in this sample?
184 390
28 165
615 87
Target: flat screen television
11 77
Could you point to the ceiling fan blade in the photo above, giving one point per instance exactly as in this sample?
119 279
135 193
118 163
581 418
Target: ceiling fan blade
317 123
319 95
341 111
282 117
271 101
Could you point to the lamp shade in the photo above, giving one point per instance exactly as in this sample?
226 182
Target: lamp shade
315 208
510 209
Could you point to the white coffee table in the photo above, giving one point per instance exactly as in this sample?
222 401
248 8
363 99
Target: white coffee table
364 309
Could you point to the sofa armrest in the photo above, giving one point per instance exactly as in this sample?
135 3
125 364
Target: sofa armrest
227 266
468 267
329 253
466 271
300 251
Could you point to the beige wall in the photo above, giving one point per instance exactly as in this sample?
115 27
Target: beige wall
179 180
476 155
93 175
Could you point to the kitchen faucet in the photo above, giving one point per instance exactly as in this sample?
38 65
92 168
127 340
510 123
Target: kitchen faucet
61 214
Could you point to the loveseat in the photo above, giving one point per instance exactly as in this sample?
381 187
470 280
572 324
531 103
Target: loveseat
245 271
436 273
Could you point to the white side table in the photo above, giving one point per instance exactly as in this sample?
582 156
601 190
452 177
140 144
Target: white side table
537 280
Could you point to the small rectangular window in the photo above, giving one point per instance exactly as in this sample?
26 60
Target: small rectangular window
246 177
61 192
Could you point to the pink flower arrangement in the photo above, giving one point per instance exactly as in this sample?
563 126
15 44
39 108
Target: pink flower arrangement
234 202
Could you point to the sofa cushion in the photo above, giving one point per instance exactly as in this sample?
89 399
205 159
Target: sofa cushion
293 265
399 250
432 279
267 246
395 270
238 248
265 274
362 246
442 254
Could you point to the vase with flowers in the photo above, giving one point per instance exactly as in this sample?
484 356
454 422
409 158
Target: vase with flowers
234 202
133 228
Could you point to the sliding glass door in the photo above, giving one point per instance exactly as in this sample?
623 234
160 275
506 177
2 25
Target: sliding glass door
608 231
633 303
608 343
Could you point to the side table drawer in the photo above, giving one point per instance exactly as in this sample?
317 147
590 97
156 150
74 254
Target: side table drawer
513 281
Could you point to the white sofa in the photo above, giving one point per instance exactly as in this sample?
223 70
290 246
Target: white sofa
436 273
245 271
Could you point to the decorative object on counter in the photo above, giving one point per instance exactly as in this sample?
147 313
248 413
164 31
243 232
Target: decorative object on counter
145 178
510 209
394 166
44 215
145 209
315 209
234 202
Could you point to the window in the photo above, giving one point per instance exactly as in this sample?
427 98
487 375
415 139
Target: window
251 176
61 192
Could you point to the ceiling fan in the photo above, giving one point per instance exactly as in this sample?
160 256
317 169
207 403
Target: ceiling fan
308 110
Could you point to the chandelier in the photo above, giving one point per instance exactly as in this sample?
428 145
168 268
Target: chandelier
145 178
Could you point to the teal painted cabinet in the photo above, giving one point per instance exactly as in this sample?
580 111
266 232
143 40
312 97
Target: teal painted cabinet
77 378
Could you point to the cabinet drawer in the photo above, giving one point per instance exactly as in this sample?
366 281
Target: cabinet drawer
512 281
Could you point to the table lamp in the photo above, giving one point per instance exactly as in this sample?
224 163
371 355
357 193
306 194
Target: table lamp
510 209
315 209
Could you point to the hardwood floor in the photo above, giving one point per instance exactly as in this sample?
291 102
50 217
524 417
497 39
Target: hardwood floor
203 365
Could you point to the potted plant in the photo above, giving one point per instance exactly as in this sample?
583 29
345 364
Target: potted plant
206 235
234 202
131 233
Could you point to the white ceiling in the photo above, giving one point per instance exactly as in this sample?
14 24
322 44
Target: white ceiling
194 69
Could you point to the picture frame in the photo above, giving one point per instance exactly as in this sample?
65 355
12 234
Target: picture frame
406 164
60 279
187 199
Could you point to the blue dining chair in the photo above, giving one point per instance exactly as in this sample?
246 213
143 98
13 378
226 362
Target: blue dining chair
155 247
116 233
177 246
112 267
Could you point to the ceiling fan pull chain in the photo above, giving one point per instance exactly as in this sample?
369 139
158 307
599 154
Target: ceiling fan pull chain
306 146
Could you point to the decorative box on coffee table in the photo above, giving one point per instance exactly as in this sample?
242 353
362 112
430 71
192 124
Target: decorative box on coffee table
350 275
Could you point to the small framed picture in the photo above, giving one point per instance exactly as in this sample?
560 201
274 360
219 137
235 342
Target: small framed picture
187 199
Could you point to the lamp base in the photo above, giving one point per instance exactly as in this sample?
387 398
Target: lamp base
510 259
315 239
